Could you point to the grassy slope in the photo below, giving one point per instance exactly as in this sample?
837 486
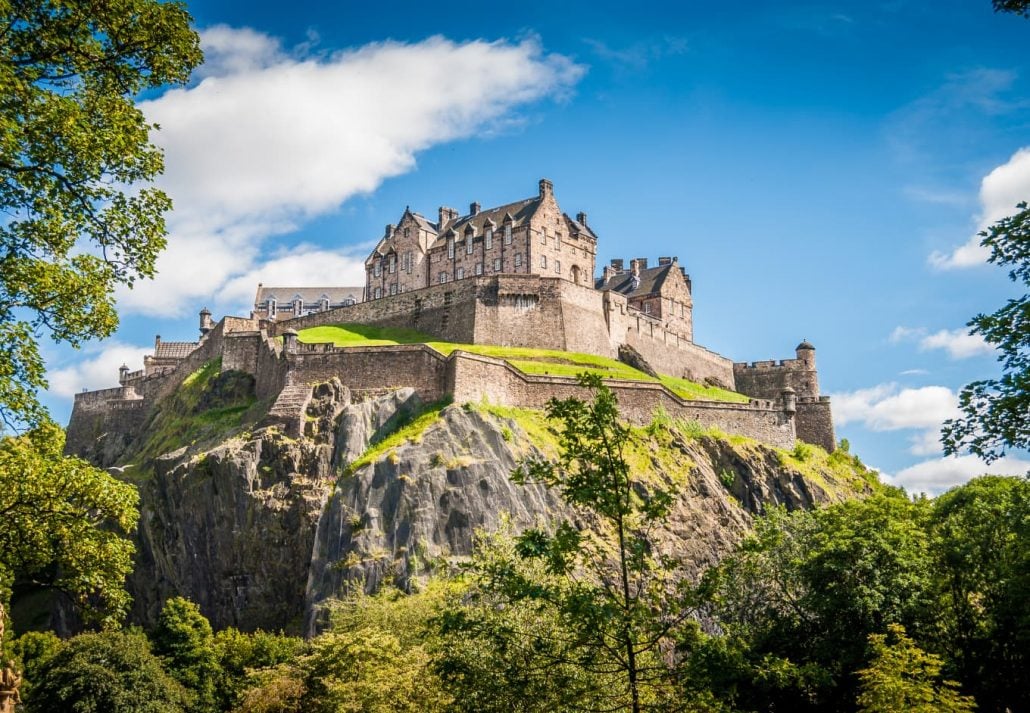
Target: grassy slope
529 361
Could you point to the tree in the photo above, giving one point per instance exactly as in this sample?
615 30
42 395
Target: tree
982 551
613 594
800 597
903 677
997 411
75 154
1018 7
112 671
66 524
184 641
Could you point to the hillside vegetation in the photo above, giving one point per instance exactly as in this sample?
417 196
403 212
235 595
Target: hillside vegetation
549 362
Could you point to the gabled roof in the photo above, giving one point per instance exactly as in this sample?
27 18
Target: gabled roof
651 281
520 211
423 223
310 295
581 228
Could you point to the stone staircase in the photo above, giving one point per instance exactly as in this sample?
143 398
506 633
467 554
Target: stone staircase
289 409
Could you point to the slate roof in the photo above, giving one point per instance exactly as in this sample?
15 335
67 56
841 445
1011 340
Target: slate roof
520 211
651 281
174 350
581 228
310 295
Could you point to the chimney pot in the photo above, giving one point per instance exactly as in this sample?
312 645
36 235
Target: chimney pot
665 261
642 263
474 208
581 218
617 264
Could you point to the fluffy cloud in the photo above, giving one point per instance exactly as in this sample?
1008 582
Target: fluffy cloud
886 407
268 139
100 371
959 343
935 476
1000 191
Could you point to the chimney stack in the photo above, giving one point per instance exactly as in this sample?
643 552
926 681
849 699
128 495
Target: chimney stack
642 263
634 267
446 216
665 261
389 230
608 273
581 218
474 208
617 264
546 188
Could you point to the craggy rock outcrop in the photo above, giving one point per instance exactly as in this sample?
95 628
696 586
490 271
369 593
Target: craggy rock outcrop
261 529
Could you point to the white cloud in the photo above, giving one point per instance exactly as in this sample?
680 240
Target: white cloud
304 266
959 343
927 443
268 140
1000 191
935 476
887 408
98 372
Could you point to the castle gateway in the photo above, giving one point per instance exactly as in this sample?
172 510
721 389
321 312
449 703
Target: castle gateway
518 275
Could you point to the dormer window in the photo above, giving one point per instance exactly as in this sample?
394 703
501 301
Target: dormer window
507 234
468 243
271 307
407 232
377 267
323 303
393 263
489 239
298 305
450 248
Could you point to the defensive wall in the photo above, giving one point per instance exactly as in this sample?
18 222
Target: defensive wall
531 311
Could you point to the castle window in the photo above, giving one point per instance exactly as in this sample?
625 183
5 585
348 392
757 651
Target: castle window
461 273
557 266
378 267
407 232
647 308
323 303
450 248
468 244
497 264
507 234
393 263
379 292
543 262
489 238
393 288
543 236
557 242
518 259
271 307
479 268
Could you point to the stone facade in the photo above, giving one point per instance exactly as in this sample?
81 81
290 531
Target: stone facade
530 236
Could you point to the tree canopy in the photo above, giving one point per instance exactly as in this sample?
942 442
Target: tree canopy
997 411
65 523
75 158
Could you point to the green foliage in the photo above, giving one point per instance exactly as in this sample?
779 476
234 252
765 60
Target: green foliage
184 641
624 612
240 654
1017 7
804 592
525 359
902 678
109 672
30 652
72 142
208 404
982 546
66 524
407 427
997 411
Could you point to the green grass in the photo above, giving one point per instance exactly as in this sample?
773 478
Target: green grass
208 404
544 362
409 429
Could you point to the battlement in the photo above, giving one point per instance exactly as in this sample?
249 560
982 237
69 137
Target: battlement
771 364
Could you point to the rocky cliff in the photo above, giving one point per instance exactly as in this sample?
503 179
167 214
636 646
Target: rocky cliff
260 519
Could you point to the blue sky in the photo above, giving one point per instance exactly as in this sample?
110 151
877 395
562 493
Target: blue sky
819 168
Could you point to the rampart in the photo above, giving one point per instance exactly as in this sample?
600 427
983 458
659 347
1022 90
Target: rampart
531 311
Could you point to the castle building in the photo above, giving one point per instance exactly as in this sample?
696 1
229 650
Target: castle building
285 302
531 236
518 275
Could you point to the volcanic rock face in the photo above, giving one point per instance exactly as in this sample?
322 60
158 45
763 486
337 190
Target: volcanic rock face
261 529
